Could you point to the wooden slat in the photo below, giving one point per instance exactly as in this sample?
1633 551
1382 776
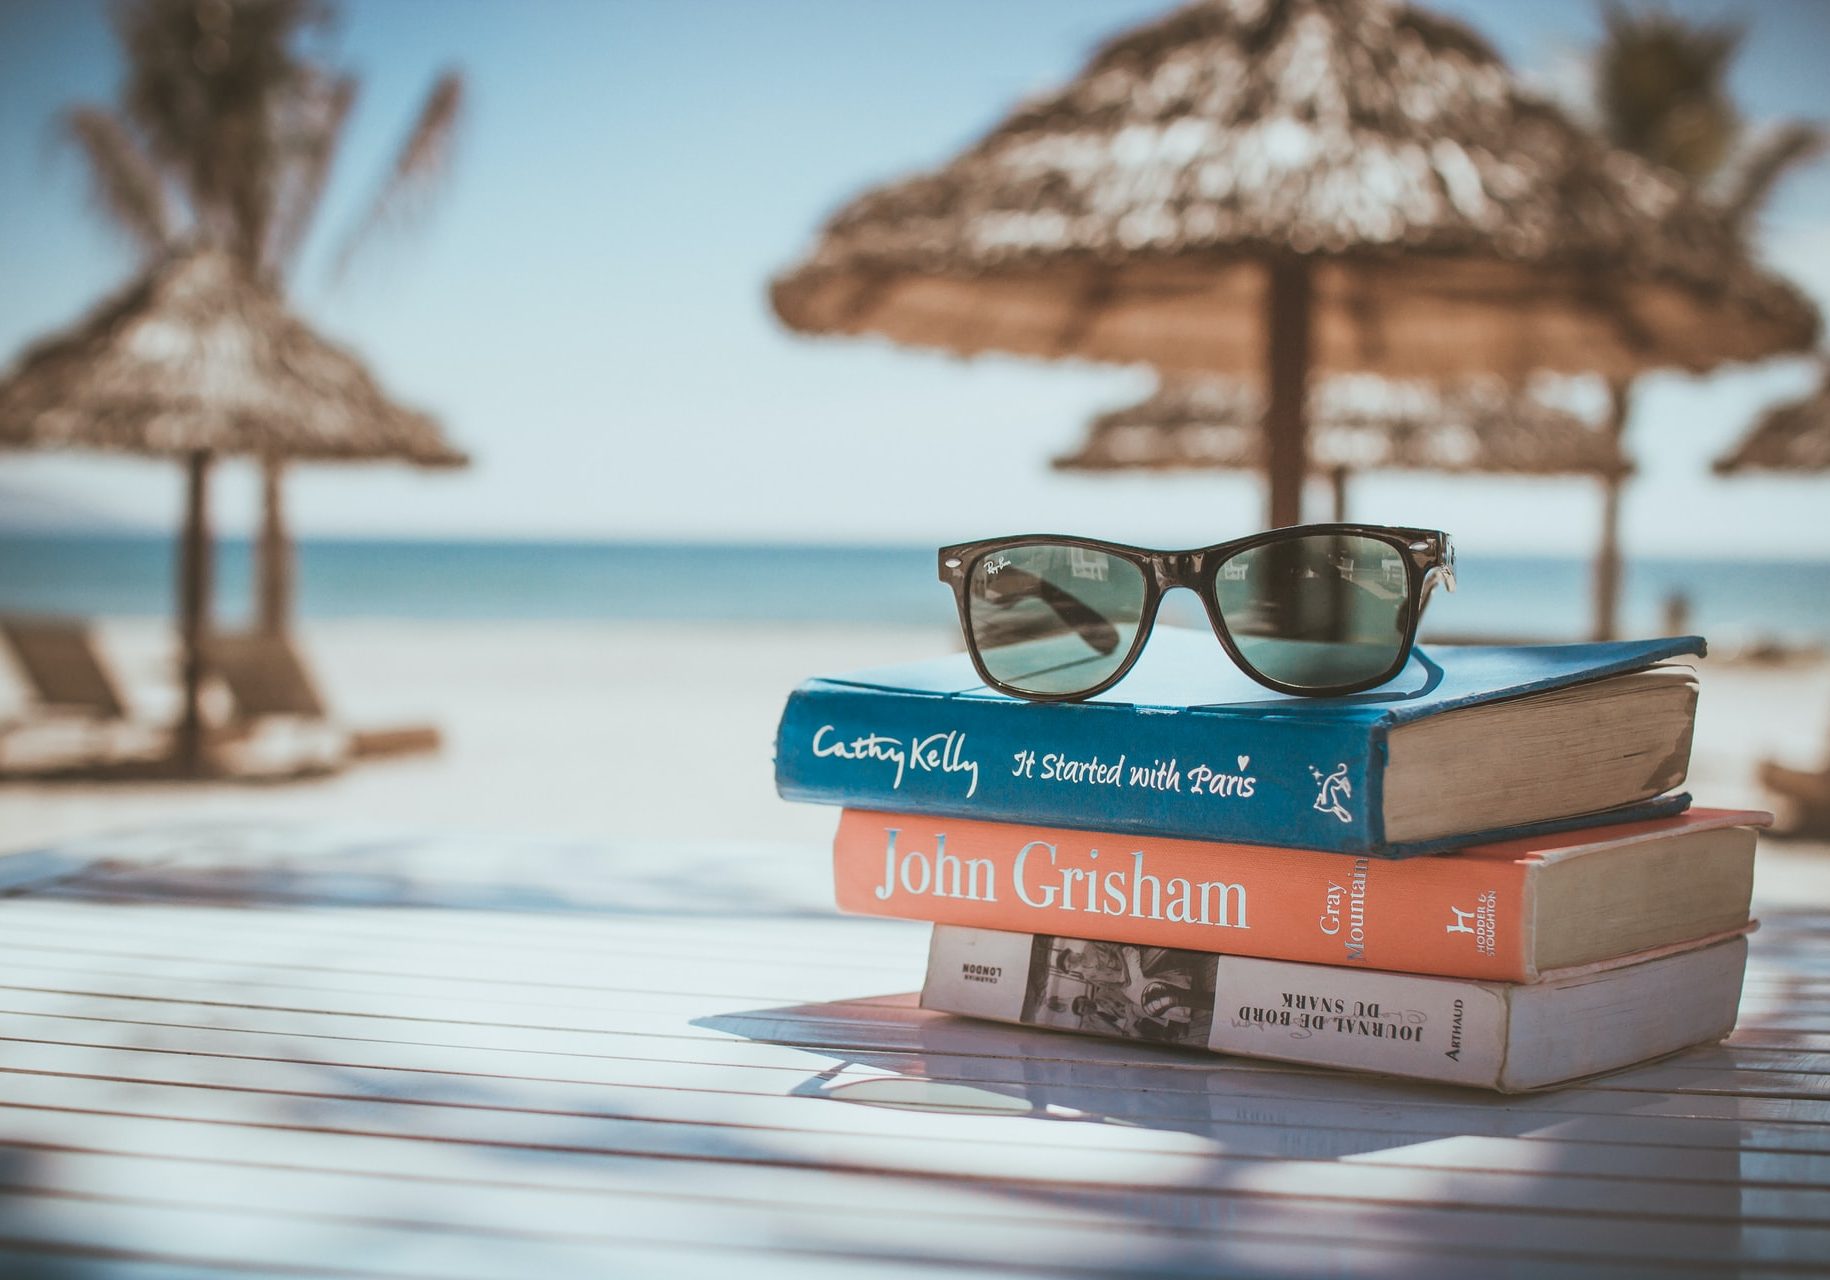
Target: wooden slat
952 1048
41 944
947 1047
99 1231
864 1027
1010 1225
614 1008
195 1239
1100 1157
44 1260
1313 1121
1576 1153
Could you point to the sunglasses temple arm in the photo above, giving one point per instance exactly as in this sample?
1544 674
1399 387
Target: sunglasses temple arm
1433 673
1436 574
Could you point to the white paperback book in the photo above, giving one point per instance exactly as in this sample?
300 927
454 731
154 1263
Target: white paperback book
1506 1036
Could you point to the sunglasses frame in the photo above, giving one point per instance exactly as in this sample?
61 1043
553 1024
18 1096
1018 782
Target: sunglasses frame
1427 554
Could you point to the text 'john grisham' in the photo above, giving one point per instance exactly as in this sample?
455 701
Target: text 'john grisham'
1040 876
945 753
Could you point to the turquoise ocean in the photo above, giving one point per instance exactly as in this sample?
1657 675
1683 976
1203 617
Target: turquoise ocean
1731 601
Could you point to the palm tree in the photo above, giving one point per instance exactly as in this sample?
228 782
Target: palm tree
1660 87
226 133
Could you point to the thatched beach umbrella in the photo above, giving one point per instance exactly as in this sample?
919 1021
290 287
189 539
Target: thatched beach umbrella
1794 436
1360 423
1272 188
195 361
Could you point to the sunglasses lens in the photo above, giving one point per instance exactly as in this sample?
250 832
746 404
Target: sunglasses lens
1317 612
1053 619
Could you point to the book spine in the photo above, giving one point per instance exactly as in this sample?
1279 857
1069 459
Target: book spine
1460 917
1439 1029
1198 773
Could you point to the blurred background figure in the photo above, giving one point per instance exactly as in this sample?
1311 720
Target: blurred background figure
1258 247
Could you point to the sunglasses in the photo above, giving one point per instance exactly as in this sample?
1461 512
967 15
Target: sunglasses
1318 609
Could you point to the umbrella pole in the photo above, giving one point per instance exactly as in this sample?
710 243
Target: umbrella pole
193 610
1607 556
275 550
1286 420
1339 478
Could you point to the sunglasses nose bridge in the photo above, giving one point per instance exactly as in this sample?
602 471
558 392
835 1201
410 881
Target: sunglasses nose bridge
1179 569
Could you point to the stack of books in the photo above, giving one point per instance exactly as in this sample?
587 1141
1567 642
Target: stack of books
1483 873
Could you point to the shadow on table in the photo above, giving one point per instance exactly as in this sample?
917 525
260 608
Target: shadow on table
21 1210
347 864
1417 1144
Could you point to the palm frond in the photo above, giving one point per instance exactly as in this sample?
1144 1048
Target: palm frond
1661 88
311 145
122 180
1758 171
424 158
204 82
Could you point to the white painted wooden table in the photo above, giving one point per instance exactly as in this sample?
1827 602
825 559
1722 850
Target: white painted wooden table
332 1051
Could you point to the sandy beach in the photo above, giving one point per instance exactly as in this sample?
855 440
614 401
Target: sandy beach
603 731
615 732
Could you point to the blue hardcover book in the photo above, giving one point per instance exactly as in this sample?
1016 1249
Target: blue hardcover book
1470 743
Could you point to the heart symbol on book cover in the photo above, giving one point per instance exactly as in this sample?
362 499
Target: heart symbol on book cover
1244 763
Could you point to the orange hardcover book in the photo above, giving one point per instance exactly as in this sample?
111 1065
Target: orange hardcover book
1506 911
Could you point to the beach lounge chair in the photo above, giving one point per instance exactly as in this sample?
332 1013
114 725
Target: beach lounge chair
1806 792
268 684
70 689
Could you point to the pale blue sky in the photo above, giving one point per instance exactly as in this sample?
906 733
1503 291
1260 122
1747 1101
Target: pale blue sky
586 309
